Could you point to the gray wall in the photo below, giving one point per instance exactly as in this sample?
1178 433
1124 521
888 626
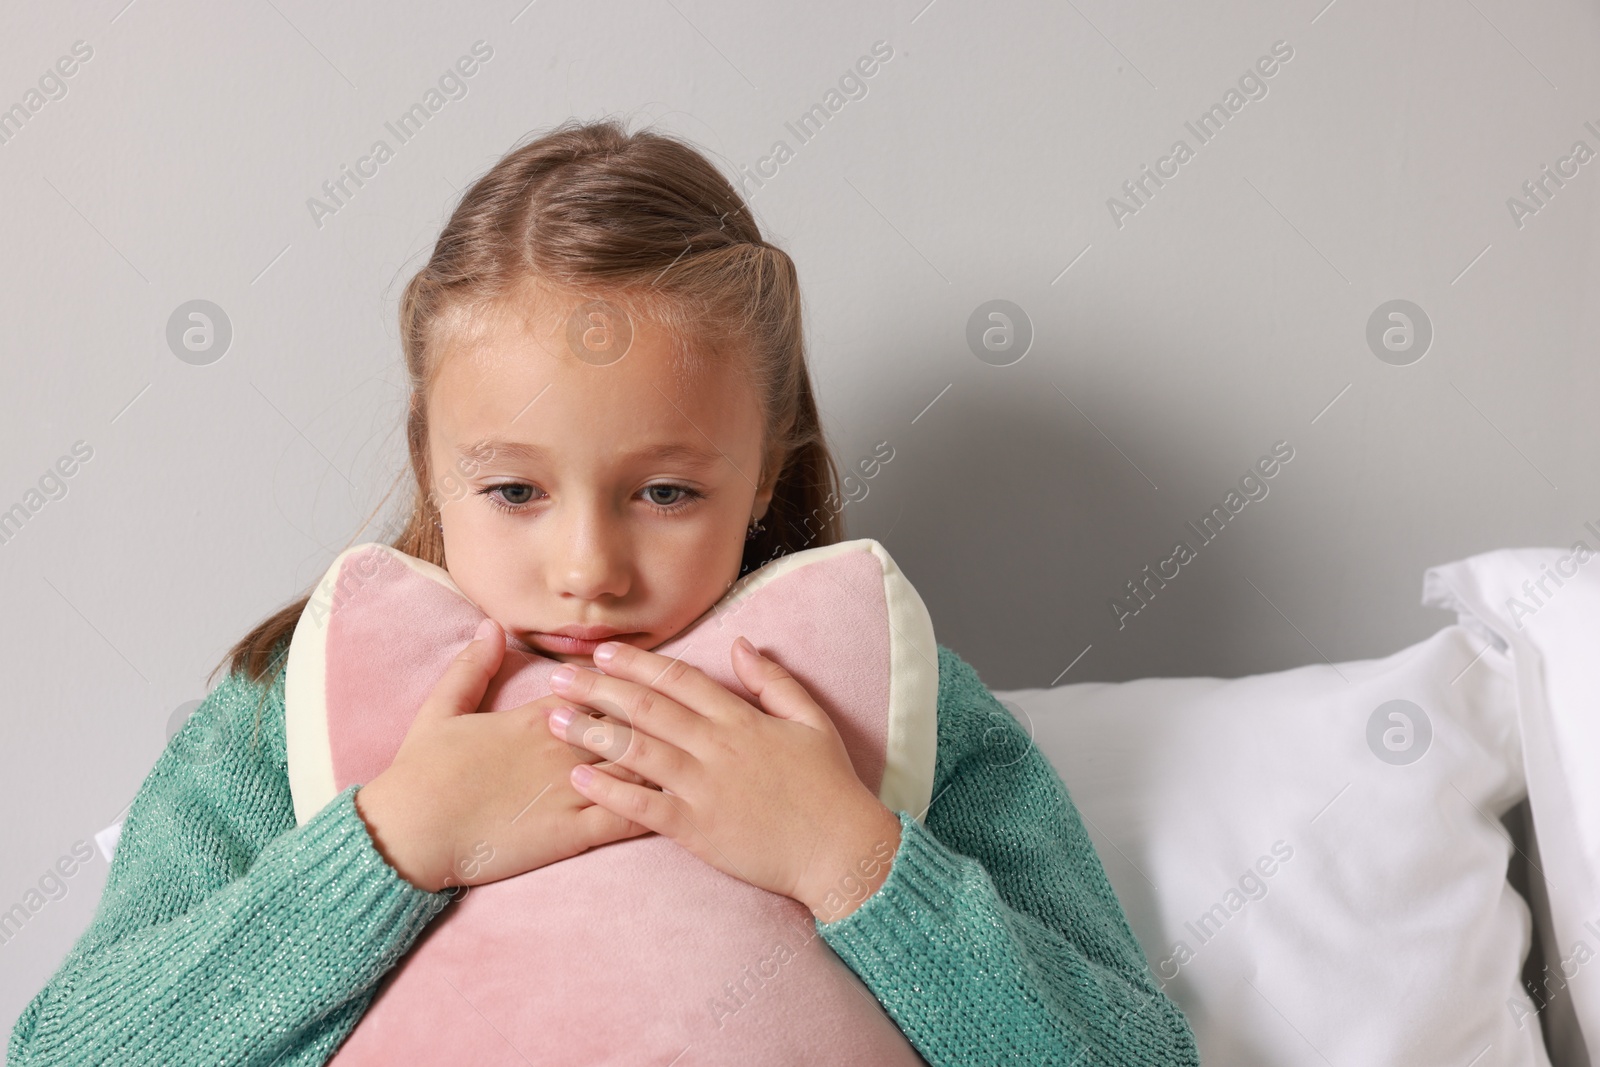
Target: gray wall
1171 346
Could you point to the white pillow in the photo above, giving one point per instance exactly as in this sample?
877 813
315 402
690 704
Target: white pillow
1316 872
1543 604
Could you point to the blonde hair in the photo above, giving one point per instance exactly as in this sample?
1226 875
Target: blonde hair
644 220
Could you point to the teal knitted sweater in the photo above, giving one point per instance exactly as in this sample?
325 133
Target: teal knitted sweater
228 935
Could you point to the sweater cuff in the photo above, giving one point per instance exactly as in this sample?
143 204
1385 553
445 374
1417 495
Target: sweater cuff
336 860
923 879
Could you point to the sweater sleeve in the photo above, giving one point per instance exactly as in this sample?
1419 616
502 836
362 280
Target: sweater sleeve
226 934
996 937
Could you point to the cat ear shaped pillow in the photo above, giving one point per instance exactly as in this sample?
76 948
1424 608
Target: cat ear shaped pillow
636 952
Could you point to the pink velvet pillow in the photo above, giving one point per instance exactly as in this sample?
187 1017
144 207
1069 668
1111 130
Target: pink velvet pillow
636 952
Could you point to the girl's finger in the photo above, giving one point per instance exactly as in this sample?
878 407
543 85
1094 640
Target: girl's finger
643 707
602 824
689 686
780 693
648 757
621 772
646 807
460 690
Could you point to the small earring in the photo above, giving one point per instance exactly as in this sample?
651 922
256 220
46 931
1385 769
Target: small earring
754 528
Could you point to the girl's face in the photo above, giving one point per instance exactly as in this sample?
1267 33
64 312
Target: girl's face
600 502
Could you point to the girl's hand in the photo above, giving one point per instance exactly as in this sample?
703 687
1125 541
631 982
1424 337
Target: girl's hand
476 797
769 797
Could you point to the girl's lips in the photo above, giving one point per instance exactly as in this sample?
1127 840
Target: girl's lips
572 645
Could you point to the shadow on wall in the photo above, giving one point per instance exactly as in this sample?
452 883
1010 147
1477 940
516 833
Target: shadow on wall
1020 524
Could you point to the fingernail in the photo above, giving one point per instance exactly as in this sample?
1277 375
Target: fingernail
582 773
559 718
563 674
604 652
485 628
748 647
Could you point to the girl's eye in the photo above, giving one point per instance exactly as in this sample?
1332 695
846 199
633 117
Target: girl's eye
689 496
514 496
515 499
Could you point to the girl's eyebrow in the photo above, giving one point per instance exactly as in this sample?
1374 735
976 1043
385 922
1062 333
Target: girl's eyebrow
489 449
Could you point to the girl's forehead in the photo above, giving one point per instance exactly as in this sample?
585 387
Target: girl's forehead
653 372
522 391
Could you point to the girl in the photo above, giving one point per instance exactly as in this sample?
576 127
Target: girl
611 420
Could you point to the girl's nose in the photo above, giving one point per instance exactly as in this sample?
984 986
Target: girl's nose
593 557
